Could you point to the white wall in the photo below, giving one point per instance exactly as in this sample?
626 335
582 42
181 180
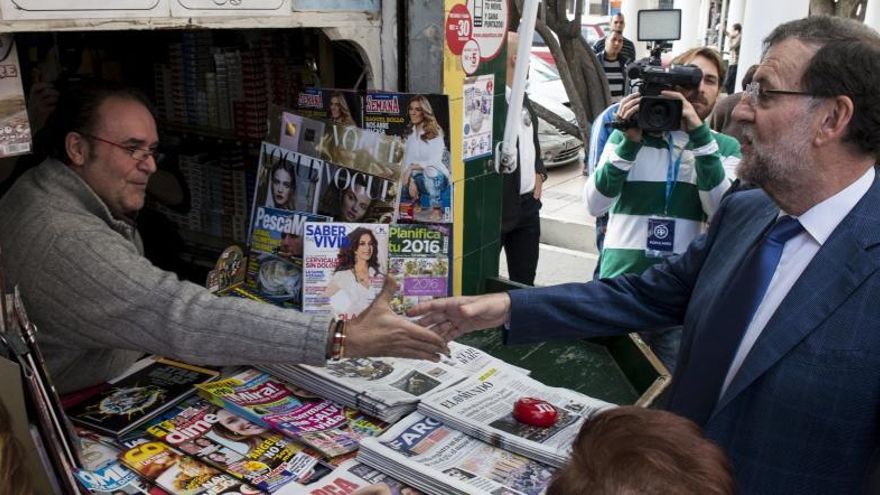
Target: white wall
760 18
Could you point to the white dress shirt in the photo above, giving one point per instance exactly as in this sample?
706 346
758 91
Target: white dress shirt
527 152
818 222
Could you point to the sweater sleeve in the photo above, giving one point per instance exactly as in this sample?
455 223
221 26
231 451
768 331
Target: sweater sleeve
712 181
606 184
104 294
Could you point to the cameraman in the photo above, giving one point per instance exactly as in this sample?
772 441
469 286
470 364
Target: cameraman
660 188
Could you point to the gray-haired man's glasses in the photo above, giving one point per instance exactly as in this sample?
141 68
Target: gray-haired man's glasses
757 94
139 154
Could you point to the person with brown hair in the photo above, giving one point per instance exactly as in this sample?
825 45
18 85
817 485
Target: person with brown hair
358 276
635 450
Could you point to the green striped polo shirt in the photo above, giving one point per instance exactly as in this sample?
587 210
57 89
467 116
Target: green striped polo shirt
631 186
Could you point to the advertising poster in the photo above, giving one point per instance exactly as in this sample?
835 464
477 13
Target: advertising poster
478 115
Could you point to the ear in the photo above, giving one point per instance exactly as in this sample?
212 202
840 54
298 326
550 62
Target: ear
76 148
835 119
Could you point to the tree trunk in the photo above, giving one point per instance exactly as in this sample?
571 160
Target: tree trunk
582 75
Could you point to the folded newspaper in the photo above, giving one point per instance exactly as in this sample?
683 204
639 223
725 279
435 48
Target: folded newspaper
435 458
387 388
353 477
482 406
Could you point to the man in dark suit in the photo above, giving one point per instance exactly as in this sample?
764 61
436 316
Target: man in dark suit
780 357
521 190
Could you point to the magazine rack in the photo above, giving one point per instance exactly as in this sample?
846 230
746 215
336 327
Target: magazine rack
622 370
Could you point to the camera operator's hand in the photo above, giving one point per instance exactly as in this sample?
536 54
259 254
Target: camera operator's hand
689 118
629 109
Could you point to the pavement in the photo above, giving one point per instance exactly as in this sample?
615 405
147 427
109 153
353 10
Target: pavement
568 240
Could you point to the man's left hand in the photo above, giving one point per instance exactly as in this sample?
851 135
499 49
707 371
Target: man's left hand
689 118
539 186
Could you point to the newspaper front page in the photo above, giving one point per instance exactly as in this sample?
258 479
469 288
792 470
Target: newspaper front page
430 456
482 406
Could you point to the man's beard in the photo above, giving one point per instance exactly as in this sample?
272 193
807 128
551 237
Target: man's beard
781 165
706 108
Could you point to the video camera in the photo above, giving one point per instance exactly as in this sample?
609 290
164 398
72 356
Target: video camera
657 112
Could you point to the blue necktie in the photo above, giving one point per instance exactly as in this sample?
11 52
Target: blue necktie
695 389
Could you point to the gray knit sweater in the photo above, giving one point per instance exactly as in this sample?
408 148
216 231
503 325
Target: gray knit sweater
99 304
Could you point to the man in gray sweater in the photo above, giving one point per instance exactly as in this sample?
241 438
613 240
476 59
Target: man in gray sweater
67 231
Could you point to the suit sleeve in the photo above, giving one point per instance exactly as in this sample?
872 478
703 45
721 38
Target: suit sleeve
654 300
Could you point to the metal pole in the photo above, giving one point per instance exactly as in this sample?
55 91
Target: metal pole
505 161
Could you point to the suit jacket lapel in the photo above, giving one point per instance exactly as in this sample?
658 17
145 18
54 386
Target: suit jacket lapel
838 268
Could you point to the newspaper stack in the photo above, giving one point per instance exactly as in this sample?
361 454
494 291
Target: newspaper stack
387 388
353 477
435 458
482 406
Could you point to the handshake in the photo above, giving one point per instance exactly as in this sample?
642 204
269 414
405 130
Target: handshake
423 334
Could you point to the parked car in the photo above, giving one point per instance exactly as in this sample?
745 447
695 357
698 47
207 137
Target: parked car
545 88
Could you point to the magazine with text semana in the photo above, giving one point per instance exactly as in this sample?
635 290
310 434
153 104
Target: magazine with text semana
344 267
421 123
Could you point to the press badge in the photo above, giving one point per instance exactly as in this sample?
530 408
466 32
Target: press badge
661 237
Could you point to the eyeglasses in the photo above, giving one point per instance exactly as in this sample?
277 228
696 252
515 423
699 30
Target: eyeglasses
757 94
139 154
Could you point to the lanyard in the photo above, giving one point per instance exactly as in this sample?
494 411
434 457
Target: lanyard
671 174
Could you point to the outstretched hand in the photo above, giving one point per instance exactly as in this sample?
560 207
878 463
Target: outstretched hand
455 316
377 331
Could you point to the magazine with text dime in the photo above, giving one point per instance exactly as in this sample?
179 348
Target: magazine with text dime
421 123
419 259
245 450
298 414
149 387
344 267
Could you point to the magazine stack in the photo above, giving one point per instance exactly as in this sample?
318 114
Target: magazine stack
482 407
435 458
298 414
386 388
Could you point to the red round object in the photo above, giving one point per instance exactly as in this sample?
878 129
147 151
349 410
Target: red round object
535 412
